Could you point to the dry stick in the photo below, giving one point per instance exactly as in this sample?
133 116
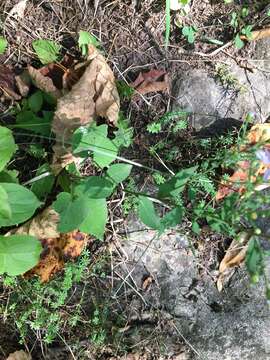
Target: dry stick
187 342
215 52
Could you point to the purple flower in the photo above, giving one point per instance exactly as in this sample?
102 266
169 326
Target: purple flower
264 156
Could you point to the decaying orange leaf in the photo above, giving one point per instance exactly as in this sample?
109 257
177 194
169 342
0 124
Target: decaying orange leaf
94 95
57 247
259 133
148 82
235 256
235 182
257 35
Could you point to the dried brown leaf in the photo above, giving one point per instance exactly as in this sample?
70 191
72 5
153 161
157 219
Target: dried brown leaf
57 247
234 182
43 83
147 282
257 35
19 355
58 72
148 82
23 82
149 77
95 94
235 256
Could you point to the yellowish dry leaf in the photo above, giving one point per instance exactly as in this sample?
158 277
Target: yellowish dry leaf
235 256
95 94
259 133
257 35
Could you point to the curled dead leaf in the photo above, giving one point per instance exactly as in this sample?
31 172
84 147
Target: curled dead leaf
62 74
147 282
57 247
23 82
43 83
235 256
94 95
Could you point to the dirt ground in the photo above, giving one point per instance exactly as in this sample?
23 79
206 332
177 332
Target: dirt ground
132 36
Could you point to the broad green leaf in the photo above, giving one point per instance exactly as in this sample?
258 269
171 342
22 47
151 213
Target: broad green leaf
196 227
172 218
23 204
18 254
95 187
3 45
72 212
35 101
46 50
95 140
118 172
42 187
176 184
147 213
28 120
7 146
9 176
5 209
96 219
86 39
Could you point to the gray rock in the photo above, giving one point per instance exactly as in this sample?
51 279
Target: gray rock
216 105
233 324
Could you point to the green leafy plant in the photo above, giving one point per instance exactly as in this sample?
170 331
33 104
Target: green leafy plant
85 39
18 253
240 27
191 192
47 51
174 121
189 33
3 44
